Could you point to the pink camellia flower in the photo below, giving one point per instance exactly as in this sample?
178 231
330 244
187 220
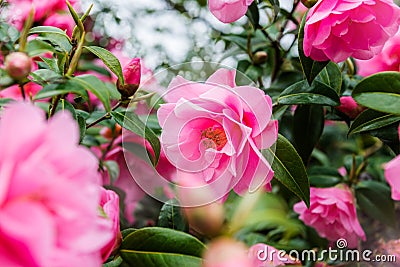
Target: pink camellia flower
214 131
387 60
14 91
63 21
268 256
338 29
333 214
49 192
228 11
226 252
110 204
392 169
349 107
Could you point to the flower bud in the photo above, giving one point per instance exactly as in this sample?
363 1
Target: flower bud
131 73
260 57
349 107
18 65
207 219
309 3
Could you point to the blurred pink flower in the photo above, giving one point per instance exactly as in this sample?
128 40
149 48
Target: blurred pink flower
268 256
49 193
110 204
19 10
338 29
14 91
226 252
228 11
63 21
333 214
349 107
215 130
392 170
391 247
387 60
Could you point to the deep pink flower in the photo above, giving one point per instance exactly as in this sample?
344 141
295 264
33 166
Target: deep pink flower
15 93
214 131
333 214
392 170
268 256
132 72
349 107
63 21
338 29
49 192
228 11
226 252
110 204
387 60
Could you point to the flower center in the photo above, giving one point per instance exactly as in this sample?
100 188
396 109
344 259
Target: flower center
216 135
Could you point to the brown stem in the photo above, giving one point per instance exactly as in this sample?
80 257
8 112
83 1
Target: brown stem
105 116
21 87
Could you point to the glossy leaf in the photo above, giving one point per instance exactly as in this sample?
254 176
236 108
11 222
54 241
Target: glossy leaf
131 122
171 217
374 198
253 14
289 168
372 120
97 87
54 35
112 170
156 247
302 93
307 129
69 86
331 76
109 60
37 47
45 76
311 68
380 92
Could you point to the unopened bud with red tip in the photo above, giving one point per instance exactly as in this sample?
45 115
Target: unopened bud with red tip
18 65
349 107
309 3
260 57
131 73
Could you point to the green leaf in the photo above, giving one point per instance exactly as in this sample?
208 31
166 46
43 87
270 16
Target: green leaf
331 76
324 176
112 169
372 120
37 47
109 60
45 76
289 168
154 247
380 92
310 67
253 14
131 122
374 199
97 87
5 101
82 127
307 129
54 35
69 86
171 217
302 93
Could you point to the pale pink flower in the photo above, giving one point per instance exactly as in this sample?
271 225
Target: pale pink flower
228 11
268 256
49 192
64 21
214 131
387 60
110 204
338 29
392 170
333 214
349 107
226 252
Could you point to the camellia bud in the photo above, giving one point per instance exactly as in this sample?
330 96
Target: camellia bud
207 219
349 107
18 65
260 57
132 73
309 3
